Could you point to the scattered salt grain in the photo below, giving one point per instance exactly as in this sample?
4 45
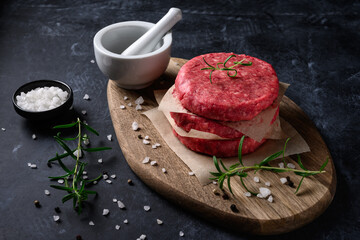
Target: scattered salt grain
271 199
47 192
267 184
138 107
291 165
146 160
91 223
139 100
84 172
146 142
78 153
153 146
181 234
100 160
147 137
247 194
191 173
33 136
146 208
283 180
256 179
117 227
120 204
126 221
153 163
3 129
126 98
92 61
86 97
56 218
114 200
83 112
129 104
29 164
122 106
33 166
105 176
105 212
86 141
265 192
281 165
94 182
41 99
109 137
163 170
108 181
142 237
85 177
157 144
113 176
215 182
159 221
135 126
259 195
61 181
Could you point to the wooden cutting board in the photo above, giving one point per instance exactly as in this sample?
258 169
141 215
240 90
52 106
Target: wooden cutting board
256 216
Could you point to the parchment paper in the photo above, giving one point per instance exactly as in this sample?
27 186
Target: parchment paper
201 164
257 128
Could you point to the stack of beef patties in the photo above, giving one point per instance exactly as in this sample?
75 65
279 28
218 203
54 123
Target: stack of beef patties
214 97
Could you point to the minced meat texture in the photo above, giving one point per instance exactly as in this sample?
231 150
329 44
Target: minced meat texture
227 98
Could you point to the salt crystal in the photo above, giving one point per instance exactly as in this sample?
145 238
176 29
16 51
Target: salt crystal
191 173
85 177
153 163
291 165
33 166
47 192
142 237
146 208
61 181
126 221
109 137
94 182
163 170
129 104
157 144
256 179
33 136
126 98
108 181
181 234
120 204
147 137
114 200
92 61
271 199
153 146
281 165
29 164
105 176
86 97
146 160
117 227
105 212
267 184
259 195
113 176
146 142
265 192
247 194
100 160
138 107
83 112
159 221
139 100
56 218
84 172
122 106
91 223
86 141
283 180
215 182
135 126
3 129
78 153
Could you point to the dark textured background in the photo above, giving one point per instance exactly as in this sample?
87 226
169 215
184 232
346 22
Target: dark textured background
313 45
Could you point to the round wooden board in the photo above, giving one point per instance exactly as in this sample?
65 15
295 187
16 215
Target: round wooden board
256 216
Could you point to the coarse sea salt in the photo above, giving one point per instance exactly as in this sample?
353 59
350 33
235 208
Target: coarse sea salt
91 223
109 137
268 184
181 234
47 192
100 160
122 106
139 100
281 165
291 165
135 126
126 98
159 221
56 218
126 221
86 97
42 99
146 160
265 192
153 163
138 107
120 204
271 199
105 212
256 179
283 180
147 208
146 142
247 194
163 170
117 227
33 136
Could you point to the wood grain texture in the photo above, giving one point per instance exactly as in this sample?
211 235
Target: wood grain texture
256 216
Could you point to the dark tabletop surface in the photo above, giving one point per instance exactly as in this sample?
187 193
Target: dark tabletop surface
313 45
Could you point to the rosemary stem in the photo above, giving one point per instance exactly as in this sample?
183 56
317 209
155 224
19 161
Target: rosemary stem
77 160
272 168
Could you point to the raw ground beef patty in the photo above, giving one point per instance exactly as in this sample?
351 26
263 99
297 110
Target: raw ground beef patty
219 148
227 98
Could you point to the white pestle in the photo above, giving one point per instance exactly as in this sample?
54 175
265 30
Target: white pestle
147 42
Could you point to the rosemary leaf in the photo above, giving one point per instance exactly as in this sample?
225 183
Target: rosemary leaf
90 128
96 149
66 125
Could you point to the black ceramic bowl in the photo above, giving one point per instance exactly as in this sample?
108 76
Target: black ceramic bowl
48 114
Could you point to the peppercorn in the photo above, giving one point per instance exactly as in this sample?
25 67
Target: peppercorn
234 208
37 203
78 237
225 196
49 164
140 137
57 209
215 191
130 182
289 182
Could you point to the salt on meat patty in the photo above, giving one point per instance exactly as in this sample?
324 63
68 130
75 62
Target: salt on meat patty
219 148
187 122
227 98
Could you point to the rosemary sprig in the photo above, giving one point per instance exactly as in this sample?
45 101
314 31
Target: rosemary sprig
238 169
227 69
76 187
